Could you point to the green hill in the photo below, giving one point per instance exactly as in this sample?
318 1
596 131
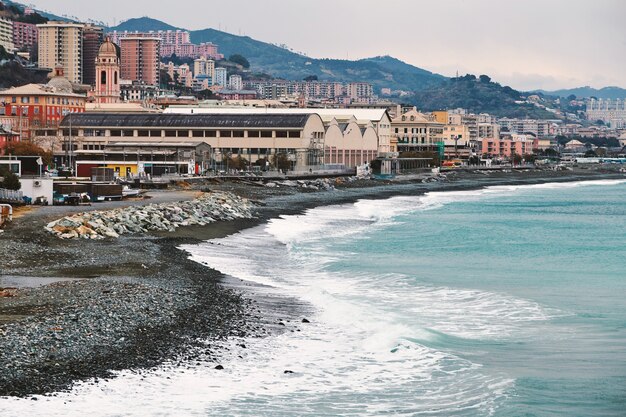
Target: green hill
142 24
478 95
588 92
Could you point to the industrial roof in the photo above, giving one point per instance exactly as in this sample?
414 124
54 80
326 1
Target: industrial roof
126 120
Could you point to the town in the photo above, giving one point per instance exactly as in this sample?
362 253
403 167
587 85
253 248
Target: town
153 105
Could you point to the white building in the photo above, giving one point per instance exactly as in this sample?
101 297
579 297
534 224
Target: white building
612 112
235 82
220 77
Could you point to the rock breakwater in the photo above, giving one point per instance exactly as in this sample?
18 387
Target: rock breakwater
206 209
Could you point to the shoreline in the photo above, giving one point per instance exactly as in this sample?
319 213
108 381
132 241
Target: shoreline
194 302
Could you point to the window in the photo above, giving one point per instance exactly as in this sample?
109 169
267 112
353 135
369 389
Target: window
103 77
266 133
210 133
281 134
198 133
296 134
238 133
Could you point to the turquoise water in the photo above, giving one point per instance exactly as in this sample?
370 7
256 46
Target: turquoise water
562 248
507 301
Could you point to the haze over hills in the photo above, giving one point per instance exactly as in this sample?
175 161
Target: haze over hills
588 92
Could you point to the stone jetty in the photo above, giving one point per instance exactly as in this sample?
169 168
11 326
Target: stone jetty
206 209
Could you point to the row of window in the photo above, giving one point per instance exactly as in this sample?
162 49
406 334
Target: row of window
49 100
194 133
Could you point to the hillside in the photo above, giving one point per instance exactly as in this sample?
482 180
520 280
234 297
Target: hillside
142 24
478 95
282 63
588 92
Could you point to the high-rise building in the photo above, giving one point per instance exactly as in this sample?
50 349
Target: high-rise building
93 37
6 34
140 59
62 43
221 76
203 66
107 70
25 35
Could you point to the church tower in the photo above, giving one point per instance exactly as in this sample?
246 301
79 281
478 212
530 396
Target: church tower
107 74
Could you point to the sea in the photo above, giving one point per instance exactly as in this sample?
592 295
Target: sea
503 301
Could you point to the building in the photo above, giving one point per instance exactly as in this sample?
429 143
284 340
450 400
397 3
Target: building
360 92
140 59
25 35
378 119
208 50
61 43
457 143
508 145
235 82
228 94
139 141
107 72
413 131
6 35
93 37
539 128
204 66
611 112
180 74
137 91
33 107
6 138
220 76
173 42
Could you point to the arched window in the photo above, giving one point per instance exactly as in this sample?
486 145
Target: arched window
115 78
103 77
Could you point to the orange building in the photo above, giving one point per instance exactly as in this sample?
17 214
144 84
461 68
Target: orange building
38 106
140 59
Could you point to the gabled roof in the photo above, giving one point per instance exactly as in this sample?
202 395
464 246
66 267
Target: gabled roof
38 90
122 120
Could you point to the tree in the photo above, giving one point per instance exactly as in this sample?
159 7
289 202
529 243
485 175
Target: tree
530 158
485 79
590 154
205 94
571 97
10 181
23 148
281 161
516 158
311 78
239 59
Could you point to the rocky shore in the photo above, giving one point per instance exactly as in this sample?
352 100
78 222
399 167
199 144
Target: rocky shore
206 209
137 300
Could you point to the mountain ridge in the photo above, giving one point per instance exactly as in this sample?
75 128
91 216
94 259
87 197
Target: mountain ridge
610 92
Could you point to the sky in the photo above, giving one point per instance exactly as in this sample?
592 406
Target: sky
527 44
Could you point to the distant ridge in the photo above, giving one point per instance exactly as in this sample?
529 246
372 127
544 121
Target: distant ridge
588 92
283 63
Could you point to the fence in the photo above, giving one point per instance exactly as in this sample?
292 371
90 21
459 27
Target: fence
11 196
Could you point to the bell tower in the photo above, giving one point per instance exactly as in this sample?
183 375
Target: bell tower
107 88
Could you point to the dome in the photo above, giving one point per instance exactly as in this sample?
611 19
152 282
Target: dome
61 84
107 48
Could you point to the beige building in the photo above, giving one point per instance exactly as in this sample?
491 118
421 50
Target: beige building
253 136
6 35
413 131
456 139
60 43
378 120
203 66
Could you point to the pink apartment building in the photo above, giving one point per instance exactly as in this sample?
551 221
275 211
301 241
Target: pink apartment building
140 59
24 35
506 147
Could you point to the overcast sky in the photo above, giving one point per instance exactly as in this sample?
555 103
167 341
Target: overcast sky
526 44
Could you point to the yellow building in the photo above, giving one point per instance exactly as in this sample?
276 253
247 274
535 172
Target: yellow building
441 116
413 131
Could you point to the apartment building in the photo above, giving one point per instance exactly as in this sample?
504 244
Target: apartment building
93 37
221 76
235 82
6 35
25 35
61 43
140 59
413 131
611 112
539 128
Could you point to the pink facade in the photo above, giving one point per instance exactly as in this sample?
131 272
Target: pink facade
140 59
507 147
173 42
24 35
